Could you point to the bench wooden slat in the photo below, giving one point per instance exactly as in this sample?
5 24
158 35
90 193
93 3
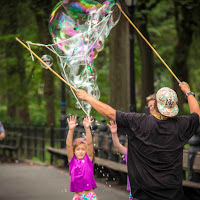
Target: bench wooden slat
191 184
56 150
185 159
196 165
111 164
8 147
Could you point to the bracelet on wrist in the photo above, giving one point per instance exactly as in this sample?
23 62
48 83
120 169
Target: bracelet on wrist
188 94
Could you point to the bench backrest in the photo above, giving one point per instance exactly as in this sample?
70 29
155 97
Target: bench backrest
12 139
196 164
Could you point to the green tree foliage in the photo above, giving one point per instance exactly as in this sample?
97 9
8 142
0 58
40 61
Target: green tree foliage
168 25
22 85
17 102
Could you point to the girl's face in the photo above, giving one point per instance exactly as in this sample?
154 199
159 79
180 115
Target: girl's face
80 151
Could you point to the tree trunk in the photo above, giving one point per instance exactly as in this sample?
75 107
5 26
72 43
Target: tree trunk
119 65
147 75
17 86
180 67
42 18
10 71
185 32
10 27
23 103
147 69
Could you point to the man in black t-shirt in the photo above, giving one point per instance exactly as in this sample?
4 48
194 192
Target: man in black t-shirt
155 143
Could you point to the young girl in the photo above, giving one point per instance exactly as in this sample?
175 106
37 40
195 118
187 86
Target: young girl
120 148
80 158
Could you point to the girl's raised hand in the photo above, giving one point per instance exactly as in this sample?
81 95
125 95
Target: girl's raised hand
87 122
72 122
113 127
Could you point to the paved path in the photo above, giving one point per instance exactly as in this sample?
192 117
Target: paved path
25 182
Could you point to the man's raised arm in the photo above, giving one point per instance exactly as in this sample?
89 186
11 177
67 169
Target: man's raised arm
192 102
99 106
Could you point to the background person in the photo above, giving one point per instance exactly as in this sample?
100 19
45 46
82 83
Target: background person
121 149
151 100
2 132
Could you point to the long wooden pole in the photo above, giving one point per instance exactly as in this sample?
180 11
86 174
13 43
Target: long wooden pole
46 64
148 44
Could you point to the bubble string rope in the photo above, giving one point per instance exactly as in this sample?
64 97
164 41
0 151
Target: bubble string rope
148 43
71 87
46 64
65 76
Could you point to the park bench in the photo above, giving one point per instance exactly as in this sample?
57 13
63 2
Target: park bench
196 169
121 167
11 143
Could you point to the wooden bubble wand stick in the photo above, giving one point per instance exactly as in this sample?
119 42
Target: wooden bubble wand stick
46 64
148 43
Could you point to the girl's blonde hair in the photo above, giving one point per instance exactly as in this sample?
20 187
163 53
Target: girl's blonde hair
78 141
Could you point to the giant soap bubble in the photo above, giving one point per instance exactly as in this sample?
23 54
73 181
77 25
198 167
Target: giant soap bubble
79 29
